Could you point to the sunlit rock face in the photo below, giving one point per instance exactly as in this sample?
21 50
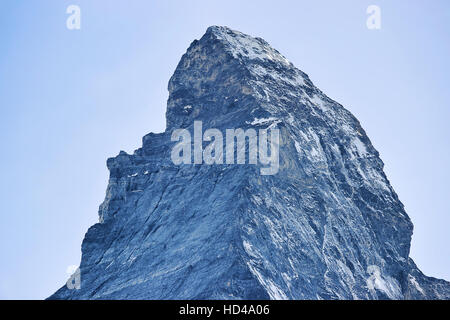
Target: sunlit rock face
327 225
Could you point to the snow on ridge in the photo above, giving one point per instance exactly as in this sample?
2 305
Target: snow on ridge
272 289
386 284
242 45
258 121
250 250
317 101
262 72
416 284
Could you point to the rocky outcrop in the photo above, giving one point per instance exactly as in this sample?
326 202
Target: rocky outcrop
327 225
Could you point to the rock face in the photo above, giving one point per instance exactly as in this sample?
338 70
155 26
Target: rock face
328 225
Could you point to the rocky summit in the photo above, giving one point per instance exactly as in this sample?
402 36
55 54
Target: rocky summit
326 225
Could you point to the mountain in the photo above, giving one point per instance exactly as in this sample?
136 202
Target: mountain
326 224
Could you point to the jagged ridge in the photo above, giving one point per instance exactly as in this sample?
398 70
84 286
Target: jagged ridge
327 226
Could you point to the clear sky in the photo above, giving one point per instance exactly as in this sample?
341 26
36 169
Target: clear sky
69 99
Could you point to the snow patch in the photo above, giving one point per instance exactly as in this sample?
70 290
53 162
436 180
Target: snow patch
262 72
359 147
275 293
242 45
317 101
258 121
416 284
297 147
387 285
249 249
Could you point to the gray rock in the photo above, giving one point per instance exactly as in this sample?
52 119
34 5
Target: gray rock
328 225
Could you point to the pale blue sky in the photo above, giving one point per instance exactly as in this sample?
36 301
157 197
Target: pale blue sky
71 99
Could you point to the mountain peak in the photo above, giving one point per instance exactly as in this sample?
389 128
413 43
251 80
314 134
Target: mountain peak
326 225
243 46
249 67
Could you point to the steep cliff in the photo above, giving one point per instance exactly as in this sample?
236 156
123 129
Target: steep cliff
327 225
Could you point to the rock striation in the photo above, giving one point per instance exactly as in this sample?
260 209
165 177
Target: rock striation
327 225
